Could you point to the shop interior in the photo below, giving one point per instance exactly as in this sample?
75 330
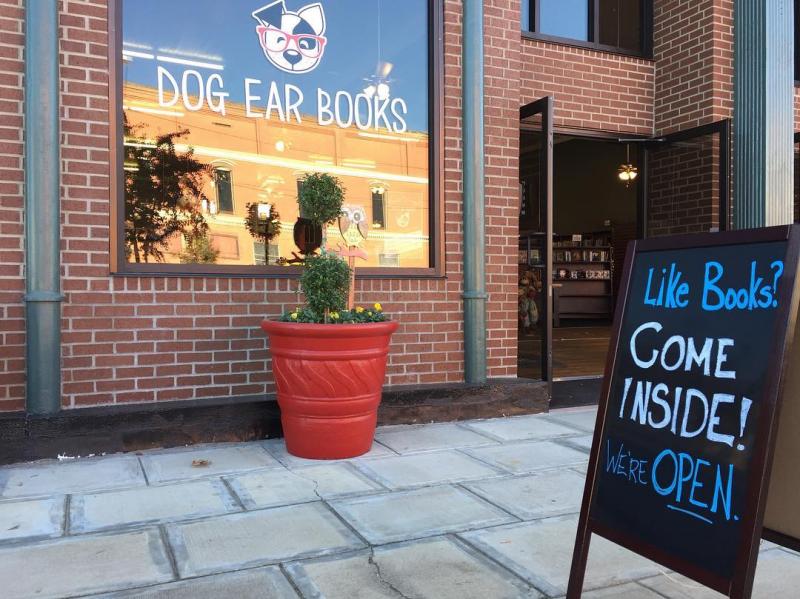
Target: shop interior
594 217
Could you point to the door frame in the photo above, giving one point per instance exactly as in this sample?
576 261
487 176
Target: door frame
543 107
723 129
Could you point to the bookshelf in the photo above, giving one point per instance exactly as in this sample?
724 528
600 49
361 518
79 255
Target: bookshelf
583 272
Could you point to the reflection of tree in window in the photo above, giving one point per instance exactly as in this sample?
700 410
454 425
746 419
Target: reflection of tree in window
163 194
222 182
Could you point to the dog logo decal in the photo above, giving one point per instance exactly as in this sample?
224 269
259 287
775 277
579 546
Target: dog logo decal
292 41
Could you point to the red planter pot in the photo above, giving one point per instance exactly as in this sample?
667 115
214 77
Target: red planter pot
329 380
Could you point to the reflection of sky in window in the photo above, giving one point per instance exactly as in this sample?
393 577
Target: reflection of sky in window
227 30
564 18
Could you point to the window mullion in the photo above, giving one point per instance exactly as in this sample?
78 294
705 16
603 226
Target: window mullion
536 16
594 21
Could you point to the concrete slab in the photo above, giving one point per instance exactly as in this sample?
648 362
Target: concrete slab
84 475
439 568
167 503
630 590
31 520
416 470
777 577
173 465
581 443
520 428
541 553
258 538
83 565
261 583
551 493
272 488
429 437
581 418
520 458
277 448
415 514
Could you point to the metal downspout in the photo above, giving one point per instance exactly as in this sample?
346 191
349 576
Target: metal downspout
763 113
42 209
473 210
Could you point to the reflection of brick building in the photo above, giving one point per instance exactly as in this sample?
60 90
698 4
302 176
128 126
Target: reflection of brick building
143 338
263 159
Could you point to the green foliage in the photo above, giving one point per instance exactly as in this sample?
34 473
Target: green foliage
199 250
358 316
321 197
325 282
163 193
257 228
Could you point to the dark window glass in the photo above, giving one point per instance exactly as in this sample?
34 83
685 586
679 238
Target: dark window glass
564 18
797 40
260 259
621 24
378 210
222 181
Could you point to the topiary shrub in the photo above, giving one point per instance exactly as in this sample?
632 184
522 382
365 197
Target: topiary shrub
326 283
320 198
326 277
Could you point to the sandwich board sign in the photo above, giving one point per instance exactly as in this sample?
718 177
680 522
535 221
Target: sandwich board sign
691 404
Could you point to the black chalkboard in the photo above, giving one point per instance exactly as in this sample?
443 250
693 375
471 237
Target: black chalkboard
685 432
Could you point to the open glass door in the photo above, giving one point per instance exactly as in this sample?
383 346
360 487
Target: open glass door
687 182
535 291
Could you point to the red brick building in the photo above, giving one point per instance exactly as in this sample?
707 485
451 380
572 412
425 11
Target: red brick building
133 336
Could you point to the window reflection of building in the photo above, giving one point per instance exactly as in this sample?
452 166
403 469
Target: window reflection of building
269 156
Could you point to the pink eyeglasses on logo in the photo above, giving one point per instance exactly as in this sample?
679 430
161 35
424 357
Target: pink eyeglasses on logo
277 40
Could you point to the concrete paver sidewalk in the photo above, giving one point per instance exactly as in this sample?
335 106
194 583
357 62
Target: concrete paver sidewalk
481 509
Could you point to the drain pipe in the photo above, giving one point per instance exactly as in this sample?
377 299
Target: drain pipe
42 209
473 209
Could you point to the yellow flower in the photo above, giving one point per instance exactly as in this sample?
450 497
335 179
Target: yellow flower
378 307
294 315
359 309
334 315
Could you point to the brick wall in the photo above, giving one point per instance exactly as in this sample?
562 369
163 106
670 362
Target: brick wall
693 50
12 285
141 339
593 90
684 187
502 64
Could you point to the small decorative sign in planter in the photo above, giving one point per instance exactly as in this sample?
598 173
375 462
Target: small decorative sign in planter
328 357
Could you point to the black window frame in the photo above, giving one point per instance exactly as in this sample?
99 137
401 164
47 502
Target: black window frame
118 263
797 42
529 30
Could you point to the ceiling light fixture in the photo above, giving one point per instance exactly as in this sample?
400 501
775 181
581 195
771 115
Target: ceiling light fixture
627 172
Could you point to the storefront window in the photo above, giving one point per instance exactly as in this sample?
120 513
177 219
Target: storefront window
226 106
616 25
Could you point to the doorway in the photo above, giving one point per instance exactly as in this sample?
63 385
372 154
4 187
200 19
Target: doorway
579 209
594 216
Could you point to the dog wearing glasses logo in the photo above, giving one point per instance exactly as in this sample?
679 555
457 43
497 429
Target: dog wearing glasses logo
292 41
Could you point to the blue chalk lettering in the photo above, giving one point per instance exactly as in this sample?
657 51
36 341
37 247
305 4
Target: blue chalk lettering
709 287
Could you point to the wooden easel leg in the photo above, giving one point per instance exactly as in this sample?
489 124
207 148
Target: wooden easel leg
580 557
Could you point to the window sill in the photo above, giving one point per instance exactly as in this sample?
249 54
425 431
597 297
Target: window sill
560 41
272 272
